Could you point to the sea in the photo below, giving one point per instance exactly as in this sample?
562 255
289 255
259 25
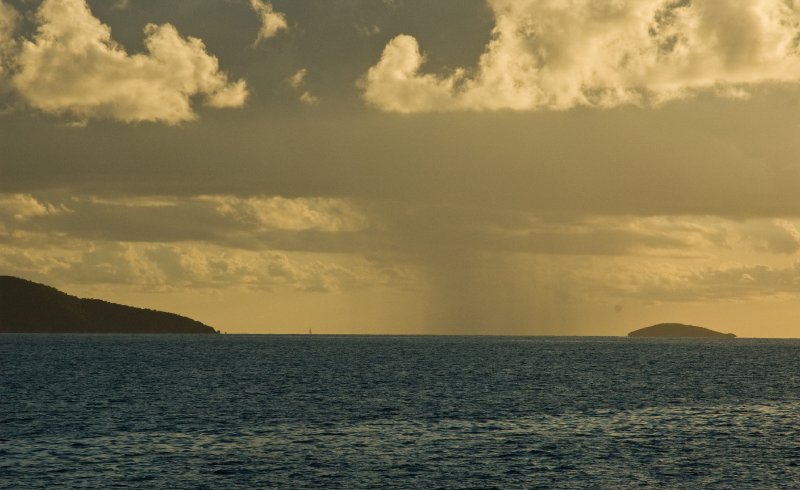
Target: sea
330 412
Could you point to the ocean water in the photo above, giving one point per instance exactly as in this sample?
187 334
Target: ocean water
397 412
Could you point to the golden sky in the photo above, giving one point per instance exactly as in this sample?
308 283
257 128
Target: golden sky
360 166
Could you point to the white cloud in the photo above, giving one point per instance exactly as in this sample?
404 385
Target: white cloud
121 5
367 30
314 225
189 242
791 232
298 79
159 267
272 22
298 82
299 214
21 207
600 53
8 24
396 85
664 283
308 98
778 236
73 66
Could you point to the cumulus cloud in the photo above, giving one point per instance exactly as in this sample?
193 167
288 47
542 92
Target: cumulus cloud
73 66
791 234
43 239
299 214
319 225
600 53
8 24
298 82
272 22
670 283
480 266
367 30
396 85
159 267
778 236
202 266
618 236
21 207
121 5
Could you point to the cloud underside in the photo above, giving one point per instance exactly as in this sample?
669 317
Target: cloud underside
606 53
73 66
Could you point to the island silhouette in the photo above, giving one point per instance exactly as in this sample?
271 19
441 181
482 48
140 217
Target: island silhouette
29 307
678 330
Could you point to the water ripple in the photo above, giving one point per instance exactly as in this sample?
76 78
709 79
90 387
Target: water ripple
372 412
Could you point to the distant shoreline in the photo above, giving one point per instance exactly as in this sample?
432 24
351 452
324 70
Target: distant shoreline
30 307
679 330
269 334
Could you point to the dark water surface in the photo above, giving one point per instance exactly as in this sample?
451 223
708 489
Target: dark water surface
397 412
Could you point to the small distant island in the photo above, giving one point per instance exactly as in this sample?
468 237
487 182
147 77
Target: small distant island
29 307
666 330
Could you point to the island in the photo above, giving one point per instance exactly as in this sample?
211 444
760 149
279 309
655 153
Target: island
29 307
679 330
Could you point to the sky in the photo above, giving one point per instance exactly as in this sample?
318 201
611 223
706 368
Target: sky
508 167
